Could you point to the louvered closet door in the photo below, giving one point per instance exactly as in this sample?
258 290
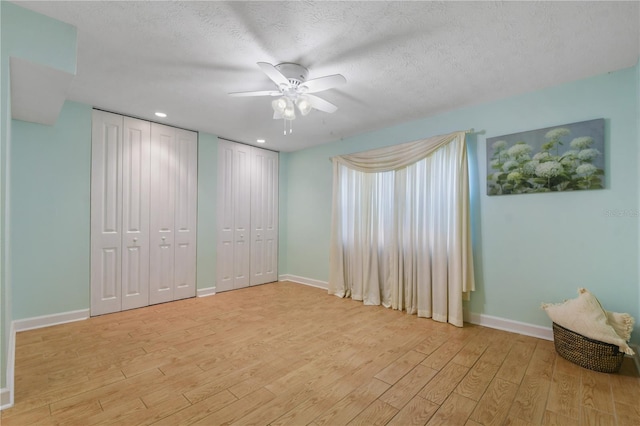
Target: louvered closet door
106 213
264 216
234 216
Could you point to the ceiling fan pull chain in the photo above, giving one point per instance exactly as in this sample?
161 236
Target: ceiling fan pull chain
284 126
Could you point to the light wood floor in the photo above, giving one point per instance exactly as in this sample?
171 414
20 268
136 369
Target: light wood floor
285 353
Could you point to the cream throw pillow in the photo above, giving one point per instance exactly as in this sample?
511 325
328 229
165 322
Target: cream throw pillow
584 315
621 323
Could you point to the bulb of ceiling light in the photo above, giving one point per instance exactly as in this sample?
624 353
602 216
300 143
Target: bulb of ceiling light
279 105
289 112
161 114
304 105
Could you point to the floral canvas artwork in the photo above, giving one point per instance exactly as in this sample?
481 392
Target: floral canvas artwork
561 158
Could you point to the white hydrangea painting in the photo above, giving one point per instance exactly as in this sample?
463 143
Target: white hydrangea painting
561 158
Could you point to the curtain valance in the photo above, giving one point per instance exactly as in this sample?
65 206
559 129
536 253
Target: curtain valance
396 156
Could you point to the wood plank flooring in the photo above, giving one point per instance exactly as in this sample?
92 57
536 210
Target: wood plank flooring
288 354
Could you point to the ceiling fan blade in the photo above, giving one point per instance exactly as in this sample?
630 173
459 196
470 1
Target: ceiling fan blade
320 104
322 83
257 93
275 75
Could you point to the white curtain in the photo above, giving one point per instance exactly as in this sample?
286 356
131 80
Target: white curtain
401 232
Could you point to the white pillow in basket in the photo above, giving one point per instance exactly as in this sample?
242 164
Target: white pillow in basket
584 315
621 323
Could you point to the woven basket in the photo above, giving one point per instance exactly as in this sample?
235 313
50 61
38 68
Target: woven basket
587 353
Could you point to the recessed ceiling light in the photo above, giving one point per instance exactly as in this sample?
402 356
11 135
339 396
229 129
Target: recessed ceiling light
161 114
260 140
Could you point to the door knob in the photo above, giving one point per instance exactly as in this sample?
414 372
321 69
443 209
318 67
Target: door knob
164 238
135 240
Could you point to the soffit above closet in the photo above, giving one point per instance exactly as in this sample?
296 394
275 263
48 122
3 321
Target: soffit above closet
38 92
402 60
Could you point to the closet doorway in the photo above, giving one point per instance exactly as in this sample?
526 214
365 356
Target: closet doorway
143 213
247 211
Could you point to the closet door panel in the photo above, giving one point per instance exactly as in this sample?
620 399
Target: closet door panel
264 217
143 213
166 271
135 216
106 213
258 198
225 217
186 213
242 216
234 216
271 220
162 214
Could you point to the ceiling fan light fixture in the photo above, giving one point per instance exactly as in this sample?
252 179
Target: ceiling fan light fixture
279 105
289 112
304 105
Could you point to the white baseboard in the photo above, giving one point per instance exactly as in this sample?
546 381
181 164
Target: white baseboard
5 398
49 320
513 326
306 281
204 292
7 393
478 319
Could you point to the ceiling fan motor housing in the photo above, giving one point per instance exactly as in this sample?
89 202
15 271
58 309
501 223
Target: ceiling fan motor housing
296 74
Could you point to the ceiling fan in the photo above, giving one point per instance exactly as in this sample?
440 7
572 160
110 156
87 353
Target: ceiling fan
295 89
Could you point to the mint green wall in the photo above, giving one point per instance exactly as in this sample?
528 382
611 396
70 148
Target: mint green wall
5 137
542 247
40 39
529 248
207 188
283 222
50 212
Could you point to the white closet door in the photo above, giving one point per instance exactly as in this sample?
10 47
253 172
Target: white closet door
234 216
264 216
225 218
106 213
242 217
186 214
162 214
143 213
135 213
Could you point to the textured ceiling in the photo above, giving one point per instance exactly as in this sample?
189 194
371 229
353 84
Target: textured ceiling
402 60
